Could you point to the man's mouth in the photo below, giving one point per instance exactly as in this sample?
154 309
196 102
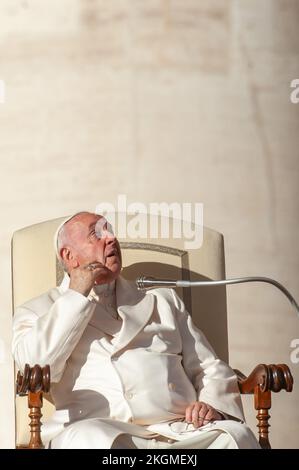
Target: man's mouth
111 253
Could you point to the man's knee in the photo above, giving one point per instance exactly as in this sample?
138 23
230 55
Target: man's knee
80 435
245 435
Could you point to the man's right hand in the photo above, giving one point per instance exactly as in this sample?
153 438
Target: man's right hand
83 277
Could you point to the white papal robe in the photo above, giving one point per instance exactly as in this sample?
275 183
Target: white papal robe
127 363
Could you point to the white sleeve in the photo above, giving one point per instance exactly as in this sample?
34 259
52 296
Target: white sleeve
50 338
214 381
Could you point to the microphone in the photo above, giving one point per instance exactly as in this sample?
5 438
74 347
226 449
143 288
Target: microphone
144 283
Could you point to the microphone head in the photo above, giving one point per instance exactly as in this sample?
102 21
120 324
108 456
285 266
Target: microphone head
139 282
144 282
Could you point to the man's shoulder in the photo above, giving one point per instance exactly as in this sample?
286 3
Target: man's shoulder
46 299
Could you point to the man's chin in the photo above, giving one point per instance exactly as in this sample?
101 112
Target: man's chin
113 267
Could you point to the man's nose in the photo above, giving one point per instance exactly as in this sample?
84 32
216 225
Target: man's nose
109 237
110 240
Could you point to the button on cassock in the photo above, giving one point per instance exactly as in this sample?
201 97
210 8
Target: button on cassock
171 386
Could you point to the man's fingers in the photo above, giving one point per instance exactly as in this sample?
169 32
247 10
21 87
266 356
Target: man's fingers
210 416
195 414
97 268
202 415
93 266
189 413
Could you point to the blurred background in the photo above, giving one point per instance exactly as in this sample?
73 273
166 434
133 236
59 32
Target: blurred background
161 100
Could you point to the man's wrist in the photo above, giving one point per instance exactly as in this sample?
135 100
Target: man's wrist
82 291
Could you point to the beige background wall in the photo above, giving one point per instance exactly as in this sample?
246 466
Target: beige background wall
174 100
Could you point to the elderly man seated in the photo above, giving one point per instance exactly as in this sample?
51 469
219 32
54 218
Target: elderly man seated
129 369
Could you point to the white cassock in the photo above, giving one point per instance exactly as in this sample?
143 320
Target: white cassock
126 364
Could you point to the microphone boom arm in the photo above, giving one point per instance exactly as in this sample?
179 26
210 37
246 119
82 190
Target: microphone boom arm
143 282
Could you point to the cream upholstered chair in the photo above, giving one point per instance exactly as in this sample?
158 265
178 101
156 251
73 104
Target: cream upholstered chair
35 270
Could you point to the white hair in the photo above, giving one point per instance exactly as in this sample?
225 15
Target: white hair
61 238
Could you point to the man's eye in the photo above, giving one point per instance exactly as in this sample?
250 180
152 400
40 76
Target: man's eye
103 227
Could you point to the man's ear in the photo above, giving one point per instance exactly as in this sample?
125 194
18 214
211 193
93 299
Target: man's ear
68 257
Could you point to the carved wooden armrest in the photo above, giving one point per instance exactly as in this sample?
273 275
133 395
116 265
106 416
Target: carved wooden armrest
34 381
263 380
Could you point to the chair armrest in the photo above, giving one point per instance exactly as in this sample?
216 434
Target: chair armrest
263 380
274 378
34 381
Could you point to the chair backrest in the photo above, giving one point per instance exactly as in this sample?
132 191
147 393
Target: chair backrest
35 270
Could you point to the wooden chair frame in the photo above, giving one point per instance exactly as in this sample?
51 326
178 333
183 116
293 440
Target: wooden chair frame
263 380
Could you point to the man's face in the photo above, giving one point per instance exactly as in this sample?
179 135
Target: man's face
90 241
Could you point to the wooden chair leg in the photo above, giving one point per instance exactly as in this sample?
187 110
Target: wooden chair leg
35 381
262 403
35 403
